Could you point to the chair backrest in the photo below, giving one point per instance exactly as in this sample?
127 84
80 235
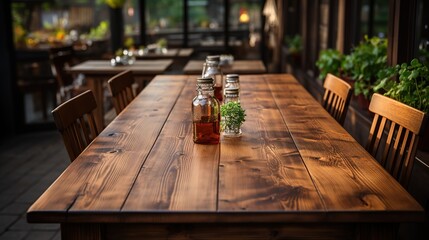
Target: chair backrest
76 123
403 125
121 88
337 97
60 63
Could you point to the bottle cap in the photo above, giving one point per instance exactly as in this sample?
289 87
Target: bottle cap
205 80
215 58
231 90
232 75
231 78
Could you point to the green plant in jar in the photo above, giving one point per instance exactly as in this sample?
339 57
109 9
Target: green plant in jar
233 116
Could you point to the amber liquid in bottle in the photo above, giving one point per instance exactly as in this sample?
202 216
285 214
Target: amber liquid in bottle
206 131
218 93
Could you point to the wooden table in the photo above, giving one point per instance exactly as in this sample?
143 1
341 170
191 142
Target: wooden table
172 53
294 172
238 66
98 71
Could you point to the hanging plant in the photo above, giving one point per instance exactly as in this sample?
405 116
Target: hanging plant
115 3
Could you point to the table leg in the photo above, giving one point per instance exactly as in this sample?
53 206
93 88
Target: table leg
79 231
96 86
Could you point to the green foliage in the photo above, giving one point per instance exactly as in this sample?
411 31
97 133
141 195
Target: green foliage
330 61
294 44
162 43
171 10
412 87
128 42
115 3
364 63
232 115
100 31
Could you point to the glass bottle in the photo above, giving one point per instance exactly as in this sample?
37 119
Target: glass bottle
212 69
205 113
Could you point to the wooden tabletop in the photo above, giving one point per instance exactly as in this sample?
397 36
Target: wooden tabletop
238 66
170 53
293 164
140 67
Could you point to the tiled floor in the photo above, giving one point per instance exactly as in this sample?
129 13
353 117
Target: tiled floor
28 165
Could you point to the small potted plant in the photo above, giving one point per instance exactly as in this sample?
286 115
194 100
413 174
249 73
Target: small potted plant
233 116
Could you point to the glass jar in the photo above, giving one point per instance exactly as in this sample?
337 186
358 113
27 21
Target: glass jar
212 69
232 81
231 95
205 113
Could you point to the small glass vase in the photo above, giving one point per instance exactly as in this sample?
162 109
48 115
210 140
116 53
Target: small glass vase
232 131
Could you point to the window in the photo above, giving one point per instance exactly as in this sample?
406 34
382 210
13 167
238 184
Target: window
374 18
422 31
164 19
131 15
206 23
244 22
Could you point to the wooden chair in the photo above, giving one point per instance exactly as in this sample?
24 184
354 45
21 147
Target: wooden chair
121 88
68 85
337 97
76 123
403 125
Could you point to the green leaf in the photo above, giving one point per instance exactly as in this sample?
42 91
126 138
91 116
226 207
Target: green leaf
232 115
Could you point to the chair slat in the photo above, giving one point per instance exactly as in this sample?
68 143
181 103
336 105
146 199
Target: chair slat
400 160
388 143
378 136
